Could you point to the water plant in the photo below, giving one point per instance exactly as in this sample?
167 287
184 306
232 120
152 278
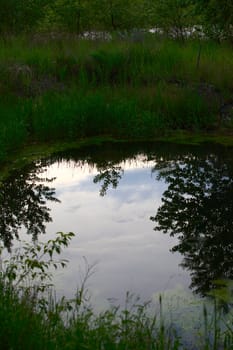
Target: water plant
32 317
65 88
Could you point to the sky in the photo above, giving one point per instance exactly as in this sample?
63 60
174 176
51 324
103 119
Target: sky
114 233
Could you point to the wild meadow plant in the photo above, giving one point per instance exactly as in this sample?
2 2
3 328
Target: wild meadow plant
121 114
120 61
32 317
13 132
67 88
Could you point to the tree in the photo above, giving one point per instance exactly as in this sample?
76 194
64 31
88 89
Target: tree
21 16
23 204
71 15
197 207
9 16
217 18
117 15
174 17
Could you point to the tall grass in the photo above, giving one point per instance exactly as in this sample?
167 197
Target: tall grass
32 318
13 130
119 113
121 62
67 88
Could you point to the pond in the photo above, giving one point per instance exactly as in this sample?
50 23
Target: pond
149 218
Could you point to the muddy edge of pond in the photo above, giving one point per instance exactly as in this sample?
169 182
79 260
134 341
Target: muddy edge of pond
35 151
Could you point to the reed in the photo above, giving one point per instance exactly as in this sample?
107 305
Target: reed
78 114
64 88
120 62
32 317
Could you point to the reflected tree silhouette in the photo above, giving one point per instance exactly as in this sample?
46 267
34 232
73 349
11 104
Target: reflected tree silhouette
23 197
197 207
109 175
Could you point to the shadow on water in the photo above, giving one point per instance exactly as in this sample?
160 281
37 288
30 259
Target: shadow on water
23 198
197 206
24 194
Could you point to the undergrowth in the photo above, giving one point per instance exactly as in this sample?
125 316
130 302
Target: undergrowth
32 318
68 88
78 114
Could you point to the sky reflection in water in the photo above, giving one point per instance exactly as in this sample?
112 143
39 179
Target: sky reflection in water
113 231
114 206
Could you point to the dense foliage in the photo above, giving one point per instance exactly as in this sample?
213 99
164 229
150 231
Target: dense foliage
31 317
76 16
67 89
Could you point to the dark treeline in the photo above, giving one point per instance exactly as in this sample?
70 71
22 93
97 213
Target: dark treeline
214 17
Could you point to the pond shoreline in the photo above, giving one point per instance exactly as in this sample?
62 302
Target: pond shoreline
36 151
57 92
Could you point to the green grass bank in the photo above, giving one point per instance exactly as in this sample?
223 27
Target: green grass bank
64 89
31 317
61 91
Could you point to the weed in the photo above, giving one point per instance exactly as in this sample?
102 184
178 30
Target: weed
67 89
32 317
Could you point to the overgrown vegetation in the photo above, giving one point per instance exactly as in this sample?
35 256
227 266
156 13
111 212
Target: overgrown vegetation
72 69
93 68
75 16
67 89
31 317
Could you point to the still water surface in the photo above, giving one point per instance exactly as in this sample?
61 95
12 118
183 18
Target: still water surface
151 218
